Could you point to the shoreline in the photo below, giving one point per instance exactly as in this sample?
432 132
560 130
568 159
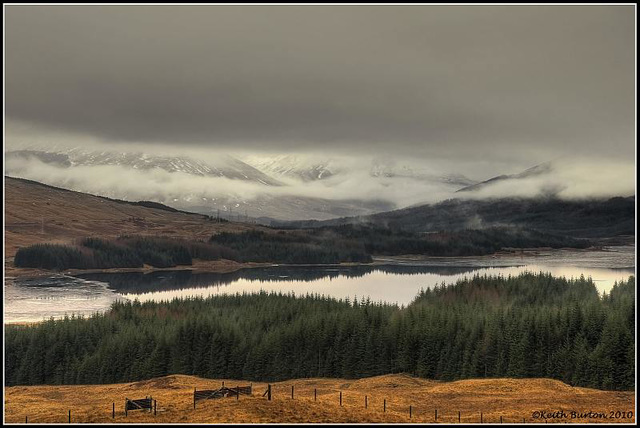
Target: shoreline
510 257
227 266
504 258
215 266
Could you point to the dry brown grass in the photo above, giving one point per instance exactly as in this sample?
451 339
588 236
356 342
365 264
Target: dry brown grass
513 399
71 215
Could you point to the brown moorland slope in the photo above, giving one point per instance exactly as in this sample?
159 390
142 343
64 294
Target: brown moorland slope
37 213
515 400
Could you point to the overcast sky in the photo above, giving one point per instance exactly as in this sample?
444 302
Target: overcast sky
519 83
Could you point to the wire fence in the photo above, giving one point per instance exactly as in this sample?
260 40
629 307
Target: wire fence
418 411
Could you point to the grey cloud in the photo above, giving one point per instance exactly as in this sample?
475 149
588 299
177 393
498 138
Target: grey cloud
523 82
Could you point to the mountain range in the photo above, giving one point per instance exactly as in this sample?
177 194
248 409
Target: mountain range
206 199
304 189
265 187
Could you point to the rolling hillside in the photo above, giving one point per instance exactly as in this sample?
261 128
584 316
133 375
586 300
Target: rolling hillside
595 218
35 213
513 400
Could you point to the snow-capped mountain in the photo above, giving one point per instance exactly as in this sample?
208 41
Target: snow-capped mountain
225 166
53 158
298 167
390 168
537 170
268 207
309 168
252 197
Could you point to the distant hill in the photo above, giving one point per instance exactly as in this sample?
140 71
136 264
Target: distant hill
149 204
36 213
540 169
592 218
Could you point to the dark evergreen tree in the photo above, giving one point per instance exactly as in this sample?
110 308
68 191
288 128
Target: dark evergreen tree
524 326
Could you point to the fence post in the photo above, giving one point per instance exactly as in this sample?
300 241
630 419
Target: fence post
436 415
409 411
223 384
155 407
292 392
315 394
500 418
340 398
150 403
366 404
69 415
480 417
194 398
269 392
26 419
113 410
384 409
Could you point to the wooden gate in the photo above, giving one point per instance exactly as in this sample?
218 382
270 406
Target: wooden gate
208 394
141 404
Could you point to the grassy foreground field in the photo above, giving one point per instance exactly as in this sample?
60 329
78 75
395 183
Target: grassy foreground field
515 400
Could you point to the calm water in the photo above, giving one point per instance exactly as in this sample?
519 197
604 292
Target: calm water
38 298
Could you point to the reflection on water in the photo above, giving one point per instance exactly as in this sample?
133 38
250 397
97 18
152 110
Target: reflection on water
609 257
138 282
394 284
35 299
38 298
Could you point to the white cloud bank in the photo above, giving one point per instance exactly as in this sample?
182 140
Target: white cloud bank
568 179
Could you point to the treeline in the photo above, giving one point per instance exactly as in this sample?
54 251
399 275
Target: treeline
326 245
533 325
357 243
123 252
467 242
52 256
297 247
